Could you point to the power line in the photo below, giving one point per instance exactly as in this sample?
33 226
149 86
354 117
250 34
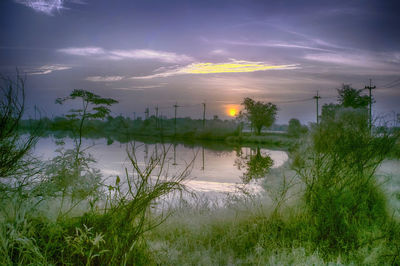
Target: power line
156 116
204 116
392 83
186 106
157 108
164 107
317 97
294 101
191 105
330 97
176 107
370 88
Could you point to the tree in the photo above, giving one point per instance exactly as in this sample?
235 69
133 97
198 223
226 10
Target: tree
13 147
295 128
93 106
350 97
70 172
259 114
255 166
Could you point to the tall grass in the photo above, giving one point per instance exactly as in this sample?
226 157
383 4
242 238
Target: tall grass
112 234
341 216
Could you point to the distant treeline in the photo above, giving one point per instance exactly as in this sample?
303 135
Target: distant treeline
123 129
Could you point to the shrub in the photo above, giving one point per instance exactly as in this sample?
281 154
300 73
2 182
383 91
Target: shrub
337 167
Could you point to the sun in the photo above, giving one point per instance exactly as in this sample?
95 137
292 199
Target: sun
232 111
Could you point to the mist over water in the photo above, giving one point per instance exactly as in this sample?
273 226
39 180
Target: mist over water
213 171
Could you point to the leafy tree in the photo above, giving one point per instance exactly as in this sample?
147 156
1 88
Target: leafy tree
93 107
259 114
295 128
255 166
350 97
72 166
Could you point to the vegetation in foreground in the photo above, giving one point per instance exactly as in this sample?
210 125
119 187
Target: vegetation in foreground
327 206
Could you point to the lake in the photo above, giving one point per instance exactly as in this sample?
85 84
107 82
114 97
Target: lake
217 168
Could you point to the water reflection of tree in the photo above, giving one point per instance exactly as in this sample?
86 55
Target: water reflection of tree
255 164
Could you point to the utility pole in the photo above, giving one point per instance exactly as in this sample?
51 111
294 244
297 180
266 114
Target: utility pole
146 113
161 125
146 151
156 116
204 115
317 97
202 155
35 108
176 107
174 154
370 88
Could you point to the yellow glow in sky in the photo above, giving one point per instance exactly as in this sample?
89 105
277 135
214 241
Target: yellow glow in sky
232 111
232 67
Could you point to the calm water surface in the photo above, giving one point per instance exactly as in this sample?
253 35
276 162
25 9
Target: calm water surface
215 169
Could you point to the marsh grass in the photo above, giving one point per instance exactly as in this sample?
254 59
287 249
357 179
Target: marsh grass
275 228
109 235
253 231
329 206
283 141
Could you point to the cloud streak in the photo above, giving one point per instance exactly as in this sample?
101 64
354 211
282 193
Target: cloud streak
167 57
48 7
379 62
340 59
45 6
235 66
83 51
47 69
276 44
150 86
135 54
129 89
143 87
104 78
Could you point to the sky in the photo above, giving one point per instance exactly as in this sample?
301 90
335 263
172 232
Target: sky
148 53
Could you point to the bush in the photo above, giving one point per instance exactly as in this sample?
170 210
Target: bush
13 146
337 167
295 129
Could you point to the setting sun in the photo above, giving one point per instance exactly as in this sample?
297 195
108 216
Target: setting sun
232 111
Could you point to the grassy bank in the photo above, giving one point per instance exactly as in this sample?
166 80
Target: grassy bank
282 141
273 228
254 231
